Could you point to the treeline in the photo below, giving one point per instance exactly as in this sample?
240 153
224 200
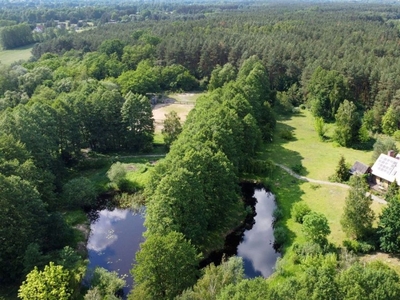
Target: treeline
357 42
50 110
15 36
101 13
193 196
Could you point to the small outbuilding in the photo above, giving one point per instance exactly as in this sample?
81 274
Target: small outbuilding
360 169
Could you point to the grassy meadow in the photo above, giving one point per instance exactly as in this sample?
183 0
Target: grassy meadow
318 160
7 57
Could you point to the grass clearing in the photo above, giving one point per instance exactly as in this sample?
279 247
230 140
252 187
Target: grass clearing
186 97
7 57
319 159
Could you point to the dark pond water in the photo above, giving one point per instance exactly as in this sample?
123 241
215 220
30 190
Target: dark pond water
254 240
116 236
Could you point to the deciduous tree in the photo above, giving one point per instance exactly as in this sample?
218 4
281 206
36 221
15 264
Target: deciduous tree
165 266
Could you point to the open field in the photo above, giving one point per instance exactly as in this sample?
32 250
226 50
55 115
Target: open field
326 199
181 103
7 57
319 159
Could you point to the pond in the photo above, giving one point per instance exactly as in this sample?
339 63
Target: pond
116 235
114 239
254 240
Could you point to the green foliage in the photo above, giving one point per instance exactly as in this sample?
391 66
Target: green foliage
358 216
110 47
221 75
117 173
79 192
52 283
286 134
382 145
326 91
104 284
280 236
253 289
172 128
215 279
358 246
342 173
370 281
138 121
389 227
299 211
161 260
34 257
392 192
347 124
320 127
390 121
15 36
23 222
316 228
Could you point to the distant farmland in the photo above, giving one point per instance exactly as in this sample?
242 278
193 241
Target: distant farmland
7 57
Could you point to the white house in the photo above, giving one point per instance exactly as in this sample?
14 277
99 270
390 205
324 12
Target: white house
386 170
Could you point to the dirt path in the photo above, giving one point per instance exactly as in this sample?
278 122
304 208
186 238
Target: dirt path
345 186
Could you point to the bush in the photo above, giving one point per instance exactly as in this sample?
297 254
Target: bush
299 211
299 169
358 246
396 135
307 249
117 174
277 214
302 107
79 192
280 237
286 134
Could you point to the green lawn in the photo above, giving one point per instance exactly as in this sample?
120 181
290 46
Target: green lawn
190 97
325 199
7 57
319 160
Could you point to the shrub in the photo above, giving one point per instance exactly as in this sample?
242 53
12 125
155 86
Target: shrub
396 135
299 169
280 237
277 214
286 134
306 249
299 211
358 246
117 174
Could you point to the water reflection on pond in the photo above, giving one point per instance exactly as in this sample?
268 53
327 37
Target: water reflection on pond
257 249
254 240
117 233
115 238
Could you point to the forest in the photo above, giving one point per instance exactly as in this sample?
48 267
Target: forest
256 63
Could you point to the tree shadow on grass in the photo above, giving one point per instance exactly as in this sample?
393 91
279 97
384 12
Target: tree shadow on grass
285 187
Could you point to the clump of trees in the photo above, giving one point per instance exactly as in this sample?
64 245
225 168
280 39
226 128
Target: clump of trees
193 192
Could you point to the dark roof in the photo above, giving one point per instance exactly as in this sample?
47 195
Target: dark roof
359 168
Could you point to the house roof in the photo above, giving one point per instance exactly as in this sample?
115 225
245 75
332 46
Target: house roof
386 167
359 168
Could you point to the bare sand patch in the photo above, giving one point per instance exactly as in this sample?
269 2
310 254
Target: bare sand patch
171 103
